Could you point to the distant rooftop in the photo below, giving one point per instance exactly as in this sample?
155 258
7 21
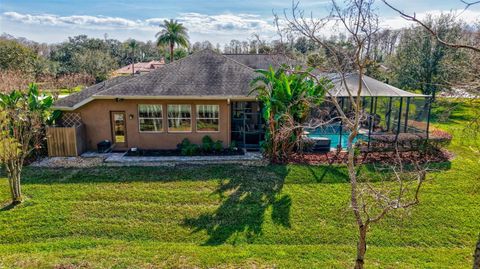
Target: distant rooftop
142 67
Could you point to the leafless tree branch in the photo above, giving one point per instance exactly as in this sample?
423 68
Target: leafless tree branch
430 30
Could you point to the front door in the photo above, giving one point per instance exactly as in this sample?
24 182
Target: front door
119 129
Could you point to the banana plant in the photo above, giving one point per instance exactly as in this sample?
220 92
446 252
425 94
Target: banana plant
23 115
35 102
287 95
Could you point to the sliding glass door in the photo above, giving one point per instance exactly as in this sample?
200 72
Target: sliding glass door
247 125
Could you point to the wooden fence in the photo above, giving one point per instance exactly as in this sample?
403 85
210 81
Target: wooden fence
66 141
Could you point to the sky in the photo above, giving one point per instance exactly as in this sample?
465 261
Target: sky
53 21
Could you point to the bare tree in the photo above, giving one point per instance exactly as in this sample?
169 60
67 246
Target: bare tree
13 80
369 202
414 18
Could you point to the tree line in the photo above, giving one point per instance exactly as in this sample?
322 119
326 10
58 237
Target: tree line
408 58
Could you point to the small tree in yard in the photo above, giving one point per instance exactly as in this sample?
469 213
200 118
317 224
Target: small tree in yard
370 199
287 99
22 118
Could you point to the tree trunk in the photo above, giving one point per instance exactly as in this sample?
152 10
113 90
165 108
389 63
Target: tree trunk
133 64
14 180
476 255
361 247
171 51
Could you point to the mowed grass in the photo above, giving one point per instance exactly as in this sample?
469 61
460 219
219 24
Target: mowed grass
232 216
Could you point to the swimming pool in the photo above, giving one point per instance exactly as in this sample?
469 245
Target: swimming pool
335 138
333 133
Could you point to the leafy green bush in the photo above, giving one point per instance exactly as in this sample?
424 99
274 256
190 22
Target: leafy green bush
217 146
207 144
185 143
187 148
190 150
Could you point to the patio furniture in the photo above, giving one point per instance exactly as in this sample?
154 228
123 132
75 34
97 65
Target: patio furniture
322 144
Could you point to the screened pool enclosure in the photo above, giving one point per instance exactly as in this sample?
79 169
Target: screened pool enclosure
387 111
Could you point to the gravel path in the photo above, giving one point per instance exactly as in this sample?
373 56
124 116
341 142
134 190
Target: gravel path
74 162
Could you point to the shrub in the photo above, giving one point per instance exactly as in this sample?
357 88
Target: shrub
207 144
217 146
439 138
190 150
185 143
410 141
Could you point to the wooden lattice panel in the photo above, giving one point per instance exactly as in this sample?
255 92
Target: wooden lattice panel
71 119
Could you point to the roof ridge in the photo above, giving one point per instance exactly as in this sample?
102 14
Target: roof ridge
105 82
166 65
235 61
176 63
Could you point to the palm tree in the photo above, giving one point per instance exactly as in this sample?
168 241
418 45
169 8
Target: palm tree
132 44
172 33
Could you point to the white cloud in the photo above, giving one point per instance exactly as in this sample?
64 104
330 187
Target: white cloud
216 28
468 16
225 22
75 20
195 22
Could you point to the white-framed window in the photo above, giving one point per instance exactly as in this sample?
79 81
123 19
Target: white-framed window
208 118
150 118
179 118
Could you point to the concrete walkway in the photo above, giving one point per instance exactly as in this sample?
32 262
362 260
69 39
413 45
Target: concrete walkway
119 159
92 159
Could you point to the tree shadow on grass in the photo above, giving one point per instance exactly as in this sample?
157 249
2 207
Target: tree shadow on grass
9 206
329 174
243 210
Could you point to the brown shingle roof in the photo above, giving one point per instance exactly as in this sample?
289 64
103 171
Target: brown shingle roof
207 74
74 99
203 74
262 61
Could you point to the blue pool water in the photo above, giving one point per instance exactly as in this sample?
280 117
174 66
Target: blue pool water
335 138
332 132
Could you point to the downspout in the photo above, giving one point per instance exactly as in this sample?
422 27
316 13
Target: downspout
229 123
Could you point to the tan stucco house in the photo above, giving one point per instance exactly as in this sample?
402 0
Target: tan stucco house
206 93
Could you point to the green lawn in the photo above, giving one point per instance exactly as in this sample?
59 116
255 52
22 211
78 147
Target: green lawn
228 216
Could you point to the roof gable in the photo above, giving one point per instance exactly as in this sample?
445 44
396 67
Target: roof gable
205 73
76 98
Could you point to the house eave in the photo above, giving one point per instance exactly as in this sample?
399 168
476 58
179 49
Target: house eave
157 97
